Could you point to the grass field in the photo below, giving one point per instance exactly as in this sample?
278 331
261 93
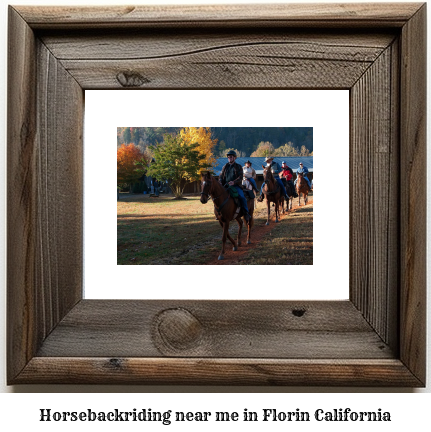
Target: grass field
289 242
166 231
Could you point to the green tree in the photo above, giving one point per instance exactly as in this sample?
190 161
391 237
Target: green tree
222 147
134 135
176 161
127 136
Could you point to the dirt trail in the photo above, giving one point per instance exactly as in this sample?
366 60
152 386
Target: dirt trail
259 231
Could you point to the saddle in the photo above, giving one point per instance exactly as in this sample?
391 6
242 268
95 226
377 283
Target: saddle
233 192
234 195
249 194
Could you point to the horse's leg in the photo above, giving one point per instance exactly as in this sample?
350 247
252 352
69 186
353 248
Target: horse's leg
250 223
229 236
238 239
269 210
277 211
223 239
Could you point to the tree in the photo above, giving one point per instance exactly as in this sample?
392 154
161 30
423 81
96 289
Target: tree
205 144
134 135
221 147
177 161
127 136
239 153
305 151
131 164
264 149
287 150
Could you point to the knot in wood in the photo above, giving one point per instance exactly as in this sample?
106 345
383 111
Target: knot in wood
298 312
131 79
178 329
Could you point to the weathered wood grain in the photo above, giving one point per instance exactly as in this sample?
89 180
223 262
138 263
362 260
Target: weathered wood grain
45 105
373 230
231 372
226 329
413 194
375 338
300 15
218 60
147 45
247 66
59 184
21 197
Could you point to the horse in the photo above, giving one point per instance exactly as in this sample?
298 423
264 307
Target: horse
272 192
290 189
226 210
302 187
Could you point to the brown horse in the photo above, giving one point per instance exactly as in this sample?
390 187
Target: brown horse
290 189
225 210
273 193
302 188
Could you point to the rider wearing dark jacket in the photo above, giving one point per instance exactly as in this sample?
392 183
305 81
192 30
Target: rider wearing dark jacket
231 174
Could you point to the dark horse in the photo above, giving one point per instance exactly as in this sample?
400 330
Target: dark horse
272 192
290 189
302 187
225 210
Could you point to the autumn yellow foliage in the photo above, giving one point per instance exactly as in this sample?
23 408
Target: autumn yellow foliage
205 144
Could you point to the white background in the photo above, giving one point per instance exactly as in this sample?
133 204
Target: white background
21 410
326 111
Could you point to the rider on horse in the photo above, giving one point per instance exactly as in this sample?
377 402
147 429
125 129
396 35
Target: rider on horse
231 174
250 174
304 170
287 175
275 168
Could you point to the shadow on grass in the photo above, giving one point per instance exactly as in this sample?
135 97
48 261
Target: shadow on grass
192 238
181 240
131 198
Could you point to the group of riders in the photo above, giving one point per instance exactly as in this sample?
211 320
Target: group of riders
232 174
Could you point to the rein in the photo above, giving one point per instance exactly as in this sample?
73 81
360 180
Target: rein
302 183
274 191
213 199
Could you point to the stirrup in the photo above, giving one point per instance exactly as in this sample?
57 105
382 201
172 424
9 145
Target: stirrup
260 199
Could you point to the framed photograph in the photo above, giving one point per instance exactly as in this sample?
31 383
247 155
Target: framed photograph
140 229
376 337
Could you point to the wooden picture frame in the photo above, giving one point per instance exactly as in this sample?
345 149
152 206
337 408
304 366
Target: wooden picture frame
376 338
